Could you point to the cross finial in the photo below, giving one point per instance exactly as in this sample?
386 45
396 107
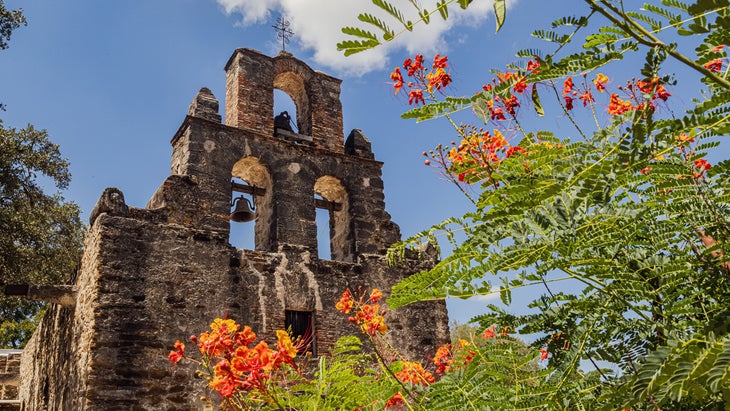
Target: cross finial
283 32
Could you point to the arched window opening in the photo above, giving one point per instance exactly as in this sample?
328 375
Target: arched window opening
290 91
242 233
324 249
331 200
251 180
285 112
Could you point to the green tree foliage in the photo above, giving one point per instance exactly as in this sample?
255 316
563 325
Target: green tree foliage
629 211
42 233
9 21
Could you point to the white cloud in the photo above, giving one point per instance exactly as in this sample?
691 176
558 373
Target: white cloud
317 25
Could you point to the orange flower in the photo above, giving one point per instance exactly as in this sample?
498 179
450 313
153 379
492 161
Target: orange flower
533 66
544 354
214 343
223 326
375 296
413 65
263 356
443 359
440 62
568 102
714 66
654 88
684 138
701 165
413 372
514 150
568 86
600 82
718 49
245 337
520 85
285 346
397 77
396 399
489 333
617 106
511 104
586 97
345 304
438 79
178 354
416 95
224 382
497 113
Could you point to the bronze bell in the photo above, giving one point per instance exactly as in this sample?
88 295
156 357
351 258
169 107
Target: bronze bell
243 211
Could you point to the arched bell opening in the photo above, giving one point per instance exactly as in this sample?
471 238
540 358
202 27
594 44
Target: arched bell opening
251 210
291 85
285 112
331 200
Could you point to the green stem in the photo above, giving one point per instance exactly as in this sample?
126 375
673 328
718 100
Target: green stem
650 40
381 361
565 110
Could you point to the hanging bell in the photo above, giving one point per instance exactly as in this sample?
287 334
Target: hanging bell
243 212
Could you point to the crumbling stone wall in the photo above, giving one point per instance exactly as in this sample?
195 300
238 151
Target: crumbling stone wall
152 275
9 379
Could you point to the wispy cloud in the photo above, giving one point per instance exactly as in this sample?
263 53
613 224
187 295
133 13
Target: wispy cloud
317 25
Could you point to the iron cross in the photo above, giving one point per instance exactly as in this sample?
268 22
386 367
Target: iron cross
283 32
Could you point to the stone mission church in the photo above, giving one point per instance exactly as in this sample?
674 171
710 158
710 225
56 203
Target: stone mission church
152 275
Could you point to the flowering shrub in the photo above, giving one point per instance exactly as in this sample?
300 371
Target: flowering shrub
247 374
239 370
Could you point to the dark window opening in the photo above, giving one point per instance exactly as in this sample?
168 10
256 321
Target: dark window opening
301 326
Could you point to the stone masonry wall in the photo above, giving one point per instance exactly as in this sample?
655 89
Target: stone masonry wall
9 379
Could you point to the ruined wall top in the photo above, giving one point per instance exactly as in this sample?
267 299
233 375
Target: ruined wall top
251 78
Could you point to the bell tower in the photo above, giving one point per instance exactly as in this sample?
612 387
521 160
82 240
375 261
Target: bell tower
155 274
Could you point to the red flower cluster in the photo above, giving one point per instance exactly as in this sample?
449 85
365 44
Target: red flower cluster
480 150
396 399
178 353
501 104
367 312
237 364
443 359
714 65
640 93
421 79
701 165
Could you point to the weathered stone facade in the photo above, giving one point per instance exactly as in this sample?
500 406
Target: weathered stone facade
152 275
9 379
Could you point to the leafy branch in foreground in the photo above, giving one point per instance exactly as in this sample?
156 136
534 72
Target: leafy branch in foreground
363 39
622 233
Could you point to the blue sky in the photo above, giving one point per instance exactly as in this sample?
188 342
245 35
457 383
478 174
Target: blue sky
111 81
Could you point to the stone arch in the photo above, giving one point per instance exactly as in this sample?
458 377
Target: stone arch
257 175
332 190
293 84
